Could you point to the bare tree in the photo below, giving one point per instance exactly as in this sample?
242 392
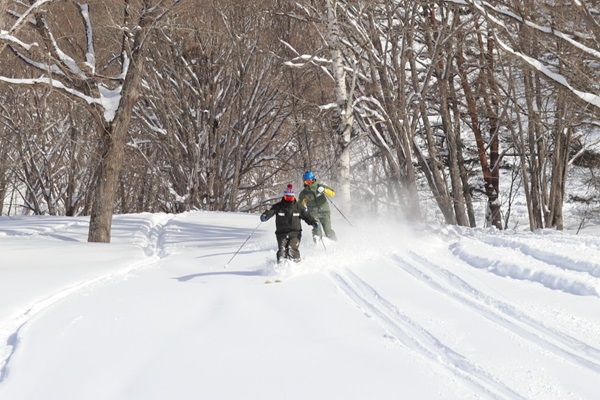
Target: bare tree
417 100
489 166
107 85
557 45
380 33
215 109
329 56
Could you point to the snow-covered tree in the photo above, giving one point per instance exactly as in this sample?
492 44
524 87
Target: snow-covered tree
329 56
216 110
98 63
556 43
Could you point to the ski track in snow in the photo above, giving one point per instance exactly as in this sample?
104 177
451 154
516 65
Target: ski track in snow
501 313
547 267
582 264
151 241
417 338
574 274
577 274
53 230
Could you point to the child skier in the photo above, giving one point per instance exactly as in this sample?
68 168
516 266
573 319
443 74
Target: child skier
288 228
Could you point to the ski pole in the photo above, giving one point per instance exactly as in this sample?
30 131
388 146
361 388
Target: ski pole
336 207
322 241
248 238
320 235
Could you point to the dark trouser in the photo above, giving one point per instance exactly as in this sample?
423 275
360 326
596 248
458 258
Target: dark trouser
288 246
324 219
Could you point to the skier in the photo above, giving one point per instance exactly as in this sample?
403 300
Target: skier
313 197
288 228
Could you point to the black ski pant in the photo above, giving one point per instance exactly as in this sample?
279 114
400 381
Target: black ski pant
288 246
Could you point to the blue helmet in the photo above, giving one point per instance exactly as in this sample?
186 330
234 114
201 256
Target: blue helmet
308 176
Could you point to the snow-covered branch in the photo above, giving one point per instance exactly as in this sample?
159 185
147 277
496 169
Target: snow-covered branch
485 8
63 58
90 54
589 98
8 39
55 84
493 13
24 17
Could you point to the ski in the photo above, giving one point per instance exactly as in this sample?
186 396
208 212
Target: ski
268 281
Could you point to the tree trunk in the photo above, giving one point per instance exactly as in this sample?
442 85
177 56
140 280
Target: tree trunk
490 97
452 142
432 165
2 190
105 187
112 150
344 117
534 137
560 163
460 161
490 183
535 160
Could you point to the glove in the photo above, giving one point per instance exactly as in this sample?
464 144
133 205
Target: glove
316 225
321 189
263 218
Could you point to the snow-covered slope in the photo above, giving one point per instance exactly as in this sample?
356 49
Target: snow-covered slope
386 313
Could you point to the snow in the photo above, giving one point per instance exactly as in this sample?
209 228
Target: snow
431 312
6 37
90 54
110 99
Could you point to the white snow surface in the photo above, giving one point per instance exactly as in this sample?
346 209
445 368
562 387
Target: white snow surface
387 312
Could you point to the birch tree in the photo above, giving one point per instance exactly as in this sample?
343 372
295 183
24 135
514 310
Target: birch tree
343 111
329 57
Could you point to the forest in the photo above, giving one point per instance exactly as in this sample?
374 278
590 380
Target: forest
421 110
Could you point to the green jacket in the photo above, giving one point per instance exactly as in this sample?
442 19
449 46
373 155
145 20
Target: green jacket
315 201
